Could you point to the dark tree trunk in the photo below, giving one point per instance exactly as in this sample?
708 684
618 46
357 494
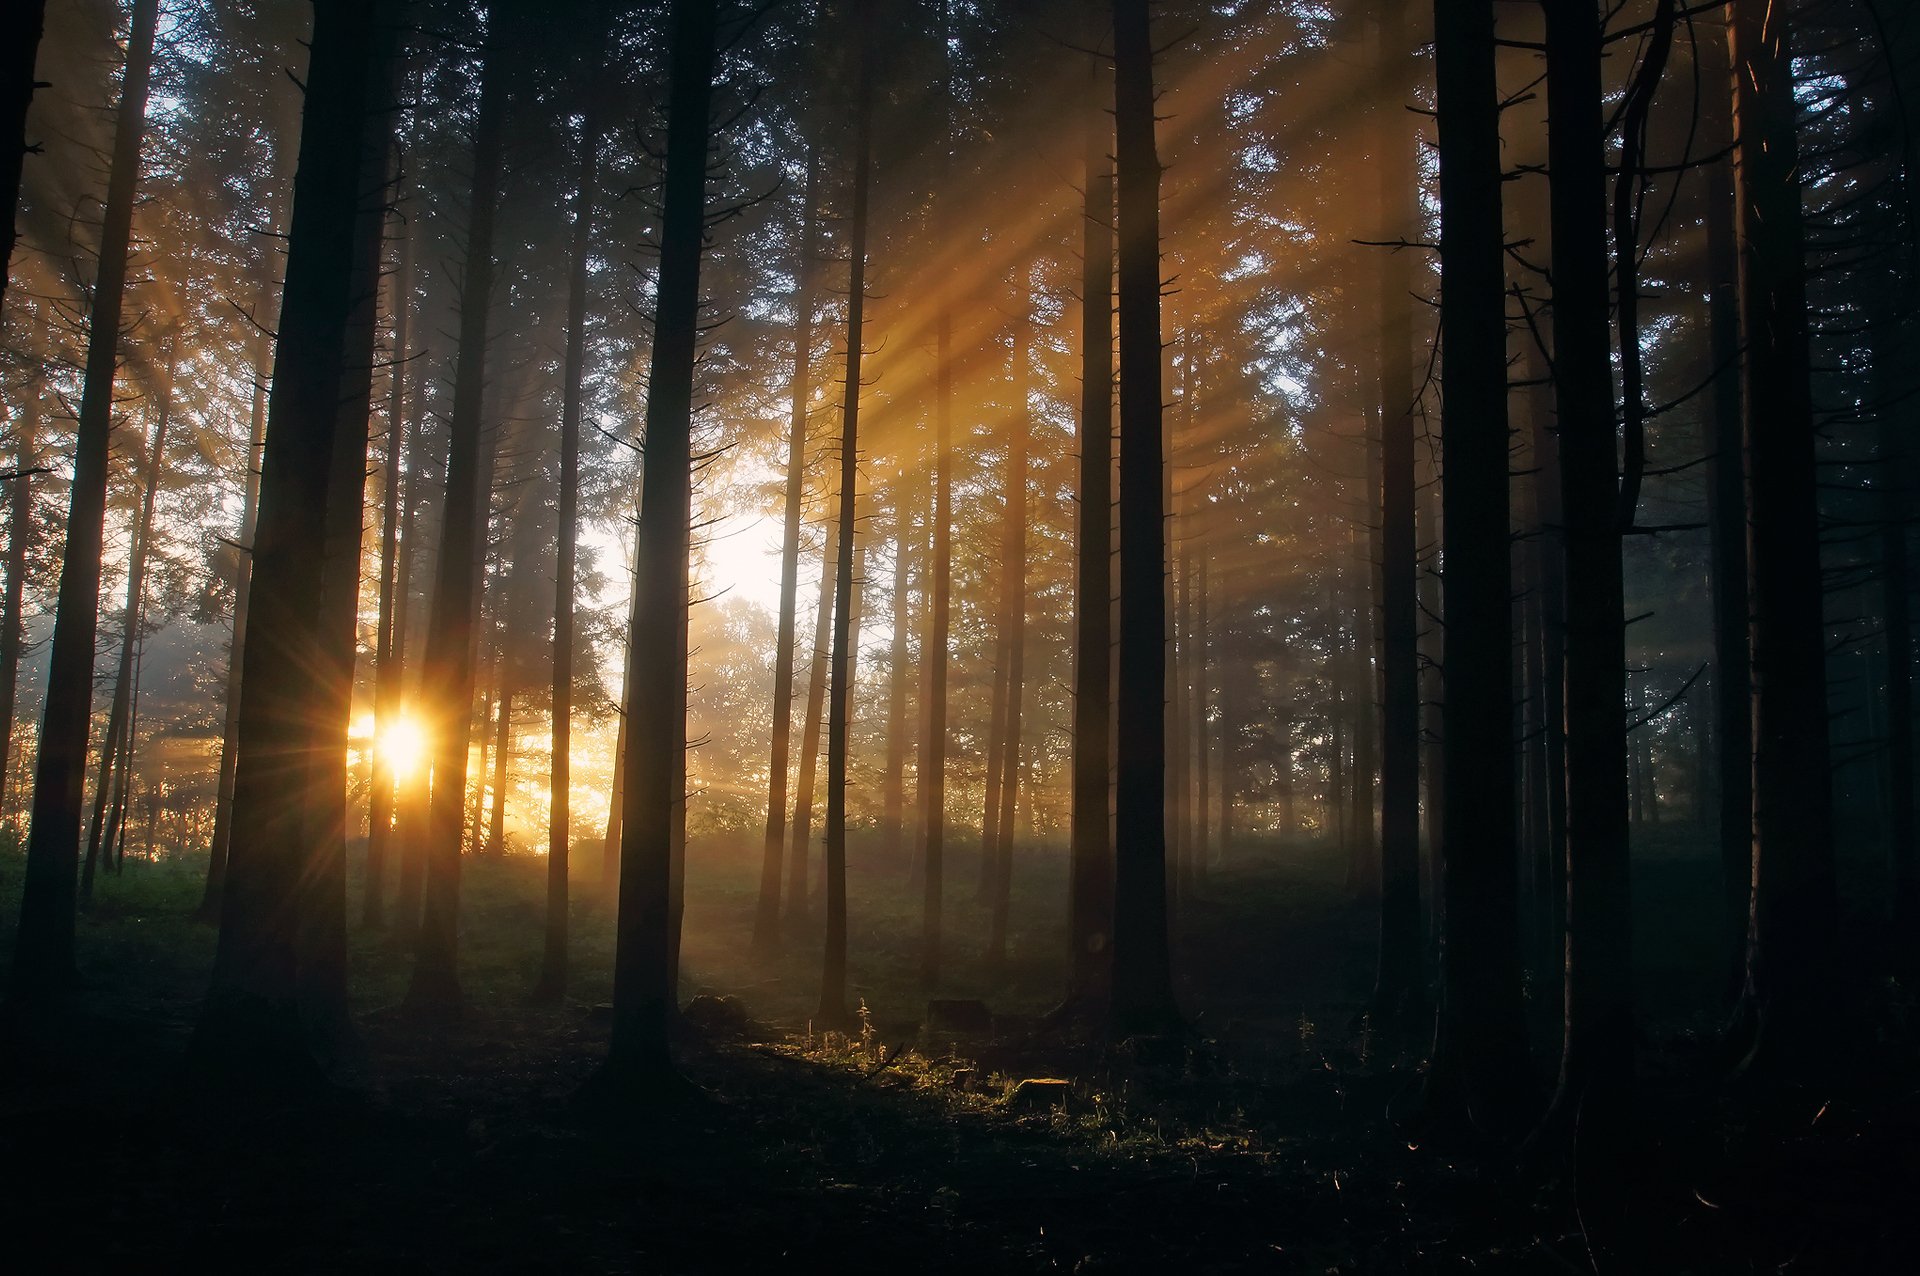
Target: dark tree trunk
118 731
389 662
250 1025
610 846
643 992
553 959
798 902
1791 933
933 745
833 979
16 97
43 963
1896 584
1014 621
1142 966
1596 1063
1398 985
1090 860
893 785
19 539
1202 671
446 685
1727 521
1480 1051
766 919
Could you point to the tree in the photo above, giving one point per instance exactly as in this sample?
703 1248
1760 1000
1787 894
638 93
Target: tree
1480 1049
16 97
1793 922
1142 965
766 921
1090 867
643 992
20 536
250 1027
43 962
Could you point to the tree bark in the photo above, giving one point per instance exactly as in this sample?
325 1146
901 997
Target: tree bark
643 992
1142 964
1480 1052
766 920
799 903
16 98
446 688
1014 621
43 964
19 540
833 980
893 785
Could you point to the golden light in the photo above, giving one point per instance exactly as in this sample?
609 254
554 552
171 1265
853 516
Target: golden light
402 746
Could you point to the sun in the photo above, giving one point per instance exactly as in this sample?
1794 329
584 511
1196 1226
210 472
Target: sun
402 745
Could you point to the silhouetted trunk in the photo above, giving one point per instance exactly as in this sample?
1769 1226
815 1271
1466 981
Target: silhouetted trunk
1790 942
1398 984
1142 966
446 686
1596 1063
995 774
893 784
389 663
553 959
1896 584
766 919
250 1027
798 903
16 97
496 843
1727 522
1014 620
1090 858
19 538
643 992
264 303
118 732
43 962
833 979
410 799
1480 1052
1202 670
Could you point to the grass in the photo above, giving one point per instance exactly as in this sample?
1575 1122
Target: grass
1284 1139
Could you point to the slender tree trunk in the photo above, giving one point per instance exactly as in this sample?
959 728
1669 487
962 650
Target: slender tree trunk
1727 523
1480 1052
996 770
16 97
1202 669
496 843
1142 965
798 902
447 670
389 664
1398 985
553 959
1596 1062
410 799
643 992
1896 584
766 920
43 962
893 785
249 1029
1091 847
117 728
833 980
1792 925
19 539
1014 622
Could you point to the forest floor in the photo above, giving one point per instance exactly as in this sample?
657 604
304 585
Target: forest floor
1283 1137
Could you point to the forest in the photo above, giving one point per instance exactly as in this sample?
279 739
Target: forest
972 635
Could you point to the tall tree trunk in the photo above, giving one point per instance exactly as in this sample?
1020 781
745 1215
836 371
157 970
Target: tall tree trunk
1727 523
117 730
1202 670
833 979
798 903
19 538
893 785
553 958
249 1028
410 799
43 962
447 671
1896 584
1014 622
643 992
389 664
1142 964
1398 983
16 97
1090 857
766 919
1791 931
1596 1062
496 843
1480 1051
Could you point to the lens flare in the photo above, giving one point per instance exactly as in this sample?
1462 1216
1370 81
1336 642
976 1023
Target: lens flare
402 747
